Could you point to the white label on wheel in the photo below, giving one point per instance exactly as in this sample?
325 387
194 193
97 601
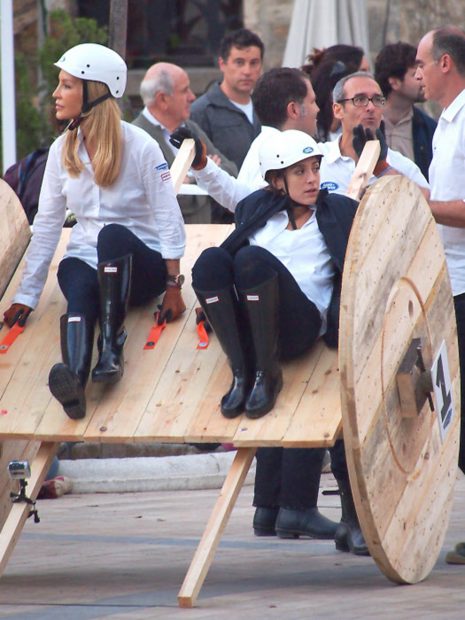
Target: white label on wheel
442 389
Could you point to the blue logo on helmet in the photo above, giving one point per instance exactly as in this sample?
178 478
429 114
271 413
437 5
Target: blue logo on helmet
331 186
308 149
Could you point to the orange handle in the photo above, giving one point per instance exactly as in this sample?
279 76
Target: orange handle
155 333
203 336
11 336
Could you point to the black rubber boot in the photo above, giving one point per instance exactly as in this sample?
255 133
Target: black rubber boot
222 311
261 305
115 283
311 523
349 536
264 521
67 380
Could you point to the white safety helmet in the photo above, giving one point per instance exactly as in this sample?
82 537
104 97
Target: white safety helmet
91 61
285 148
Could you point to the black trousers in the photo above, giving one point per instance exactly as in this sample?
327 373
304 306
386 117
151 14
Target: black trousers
286 477
290 477
299 318
79 284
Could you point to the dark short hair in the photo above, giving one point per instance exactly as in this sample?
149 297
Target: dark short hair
394 60
274 90
241 38
450 40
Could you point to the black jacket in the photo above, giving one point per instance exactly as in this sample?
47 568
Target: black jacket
423 128
225 124
334 215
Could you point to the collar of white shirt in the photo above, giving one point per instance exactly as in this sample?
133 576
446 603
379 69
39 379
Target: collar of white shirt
332 152
454 108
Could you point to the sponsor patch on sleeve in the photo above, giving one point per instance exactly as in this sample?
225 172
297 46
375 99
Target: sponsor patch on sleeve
331 186
163 166
165 176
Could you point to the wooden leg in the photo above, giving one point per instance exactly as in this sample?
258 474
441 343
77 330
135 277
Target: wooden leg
211 537
19 512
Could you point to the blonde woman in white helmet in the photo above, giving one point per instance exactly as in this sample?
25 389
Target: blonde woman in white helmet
129 237
269 292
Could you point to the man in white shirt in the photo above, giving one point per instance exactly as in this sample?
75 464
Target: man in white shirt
358 100
441 68
284 99
341 157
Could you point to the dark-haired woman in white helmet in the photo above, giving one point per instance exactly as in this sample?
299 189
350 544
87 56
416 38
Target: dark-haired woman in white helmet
269 292
129 237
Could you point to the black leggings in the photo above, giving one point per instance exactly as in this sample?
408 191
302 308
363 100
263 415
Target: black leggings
299 318
79 284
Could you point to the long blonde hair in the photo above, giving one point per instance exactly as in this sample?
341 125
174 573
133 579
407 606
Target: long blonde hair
103 131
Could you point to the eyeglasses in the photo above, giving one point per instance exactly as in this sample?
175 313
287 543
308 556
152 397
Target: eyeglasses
361 101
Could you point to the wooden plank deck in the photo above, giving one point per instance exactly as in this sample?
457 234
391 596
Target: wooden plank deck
170 393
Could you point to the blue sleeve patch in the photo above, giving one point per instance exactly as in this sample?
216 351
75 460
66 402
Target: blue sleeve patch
331 186
163 166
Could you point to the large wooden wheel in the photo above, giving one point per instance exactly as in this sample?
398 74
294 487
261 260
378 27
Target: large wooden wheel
401 454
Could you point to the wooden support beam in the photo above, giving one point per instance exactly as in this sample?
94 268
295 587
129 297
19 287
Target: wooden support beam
182 163
19 512
219 517
364 169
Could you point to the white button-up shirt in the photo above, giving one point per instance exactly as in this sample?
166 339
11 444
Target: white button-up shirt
447 179
142 199
305 255
336 169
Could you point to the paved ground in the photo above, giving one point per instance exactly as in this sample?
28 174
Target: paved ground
124 556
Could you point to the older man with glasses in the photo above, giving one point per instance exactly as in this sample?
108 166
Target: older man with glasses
358 104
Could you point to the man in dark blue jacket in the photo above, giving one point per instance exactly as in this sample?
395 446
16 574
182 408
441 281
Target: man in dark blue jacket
408 129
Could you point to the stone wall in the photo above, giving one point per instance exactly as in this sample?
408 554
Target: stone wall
388 20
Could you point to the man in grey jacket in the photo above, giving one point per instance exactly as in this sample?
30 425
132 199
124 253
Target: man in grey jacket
225 112
167 96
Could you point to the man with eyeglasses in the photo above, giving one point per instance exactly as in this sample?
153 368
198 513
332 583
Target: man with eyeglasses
358 100
441 69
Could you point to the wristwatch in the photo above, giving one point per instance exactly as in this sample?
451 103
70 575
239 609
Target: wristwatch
177 281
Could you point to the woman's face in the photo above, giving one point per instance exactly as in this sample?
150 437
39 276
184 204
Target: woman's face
68 97
303 181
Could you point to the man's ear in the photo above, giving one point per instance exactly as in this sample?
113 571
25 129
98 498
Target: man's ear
395 83
338 111
446 63
293 110
221 63
161 100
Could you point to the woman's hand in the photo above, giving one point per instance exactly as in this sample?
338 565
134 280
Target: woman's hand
16 313
172 306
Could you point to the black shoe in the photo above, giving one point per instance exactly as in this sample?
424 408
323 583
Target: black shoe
309 523
67 380
261 305
349 536
114 279
222 311
66 387
264 521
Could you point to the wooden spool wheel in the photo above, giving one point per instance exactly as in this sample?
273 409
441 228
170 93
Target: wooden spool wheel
397 337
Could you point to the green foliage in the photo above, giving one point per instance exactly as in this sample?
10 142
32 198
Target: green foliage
29 118
65 32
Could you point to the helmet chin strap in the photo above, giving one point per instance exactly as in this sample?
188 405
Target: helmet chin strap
87 105
291 203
